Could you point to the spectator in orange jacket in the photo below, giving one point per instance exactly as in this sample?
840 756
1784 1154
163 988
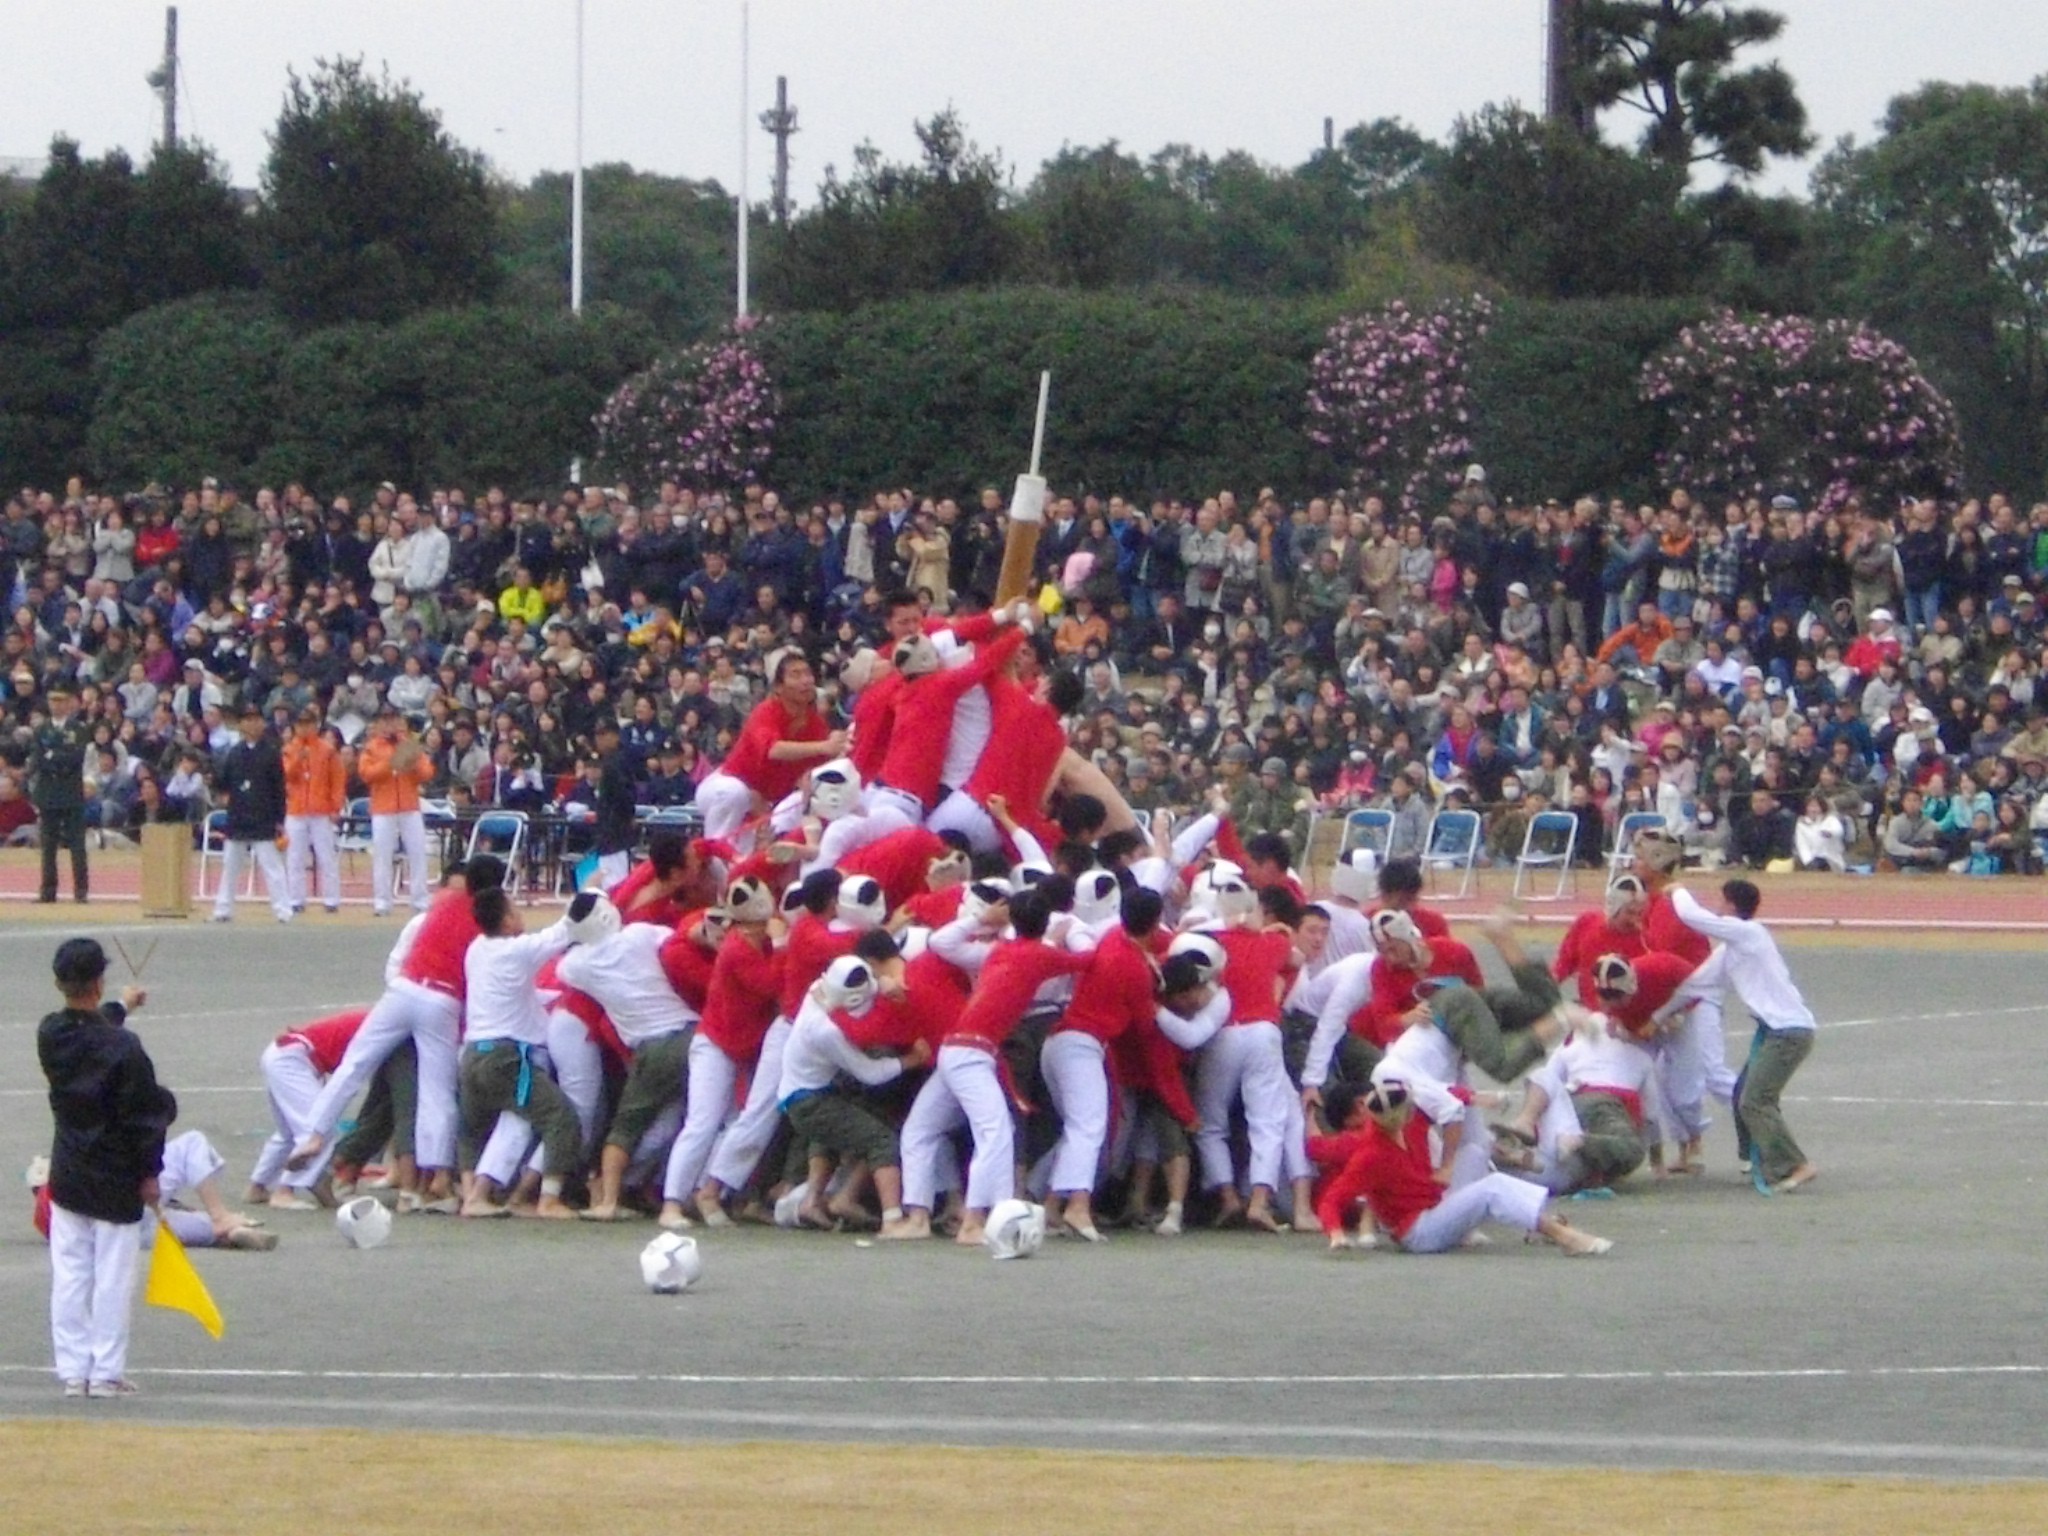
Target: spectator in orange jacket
1640 639
314 786
394 766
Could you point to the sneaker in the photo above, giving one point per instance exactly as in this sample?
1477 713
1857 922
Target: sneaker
292 1200
285 917
330 911
74 1389
222 917
120 1388
380 911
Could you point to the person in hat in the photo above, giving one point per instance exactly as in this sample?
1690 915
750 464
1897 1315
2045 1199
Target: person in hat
57 750
394 766
112 1118
252 779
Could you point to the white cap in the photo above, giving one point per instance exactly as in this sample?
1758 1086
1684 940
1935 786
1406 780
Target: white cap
749 901
848 986
863 904
1394 927
1880 615
1517 589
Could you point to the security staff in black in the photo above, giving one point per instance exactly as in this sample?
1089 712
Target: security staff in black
57 757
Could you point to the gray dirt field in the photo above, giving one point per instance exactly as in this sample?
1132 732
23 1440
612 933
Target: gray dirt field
1889 1320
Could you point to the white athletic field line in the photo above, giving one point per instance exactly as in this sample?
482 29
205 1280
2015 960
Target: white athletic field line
856 1379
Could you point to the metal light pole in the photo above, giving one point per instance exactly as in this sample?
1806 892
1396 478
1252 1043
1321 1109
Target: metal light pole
576 184
746 129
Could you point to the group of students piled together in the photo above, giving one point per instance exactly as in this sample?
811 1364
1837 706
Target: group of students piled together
794 1017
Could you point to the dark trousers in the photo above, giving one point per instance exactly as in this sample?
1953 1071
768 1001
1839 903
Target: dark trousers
62 827
388 1111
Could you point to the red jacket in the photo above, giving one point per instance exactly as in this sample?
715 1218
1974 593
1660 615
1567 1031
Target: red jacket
812 946
746 984
326 1039
899 862
768 725
924 720
1392 1174
1663 931
1382 1019
1589 937
442 944
1114 994
1010 977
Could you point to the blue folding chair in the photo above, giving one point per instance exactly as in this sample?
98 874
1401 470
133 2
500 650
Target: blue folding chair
1452 844
1369 828
1548 843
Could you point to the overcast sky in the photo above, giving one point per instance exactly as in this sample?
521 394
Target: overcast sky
663 75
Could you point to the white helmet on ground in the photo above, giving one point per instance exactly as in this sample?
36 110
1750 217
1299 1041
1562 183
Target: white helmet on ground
863 904
981 895
1098 897
592 918
1209 954
848 986
1356 876
671 1263
1015 1229
835 789
363 1222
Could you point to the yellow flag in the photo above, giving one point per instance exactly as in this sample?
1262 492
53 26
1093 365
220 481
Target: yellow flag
175 1284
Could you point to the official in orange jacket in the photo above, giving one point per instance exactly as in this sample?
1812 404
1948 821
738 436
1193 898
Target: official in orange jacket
314 786
394 767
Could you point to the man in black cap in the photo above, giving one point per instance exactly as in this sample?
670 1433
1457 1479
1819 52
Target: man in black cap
252 778
112 1117
57 755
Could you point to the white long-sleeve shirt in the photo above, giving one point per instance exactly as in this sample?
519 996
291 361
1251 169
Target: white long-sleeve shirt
817 1051
623 976
964 943
500 1001
1194 1032
1335 994
1756 970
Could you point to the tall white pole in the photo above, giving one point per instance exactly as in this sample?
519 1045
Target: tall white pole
576 183
746 130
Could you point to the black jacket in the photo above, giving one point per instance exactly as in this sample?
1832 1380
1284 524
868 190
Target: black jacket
616 829
253 775
111 1114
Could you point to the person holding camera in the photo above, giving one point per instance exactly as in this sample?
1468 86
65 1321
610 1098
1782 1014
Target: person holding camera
394 766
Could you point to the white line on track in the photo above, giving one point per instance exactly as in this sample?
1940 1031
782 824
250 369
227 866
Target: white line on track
47 931
1931 1018
1427 1378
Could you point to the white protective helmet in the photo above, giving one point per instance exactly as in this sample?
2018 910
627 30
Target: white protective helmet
1098 898
835 789
1389 926
1029 873
848 986
1223 889
592 918
1613 973
363 1222
863 904
912 942
981 895
1015 1229
1207 952
1356 876
1626 891
915 656
749 901
671 1263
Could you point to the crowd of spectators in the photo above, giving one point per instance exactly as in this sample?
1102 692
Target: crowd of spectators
1782 685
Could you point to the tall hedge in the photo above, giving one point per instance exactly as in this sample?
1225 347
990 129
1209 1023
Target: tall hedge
1556 391
468 396
1152 392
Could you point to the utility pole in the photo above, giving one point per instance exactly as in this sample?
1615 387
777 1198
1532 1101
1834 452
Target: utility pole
164 78
1329 134
576 184
780 121
1567 47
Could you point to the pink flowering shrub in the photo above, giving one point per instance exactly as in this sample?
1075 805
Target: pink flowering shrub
1782 404
1390 397
704 417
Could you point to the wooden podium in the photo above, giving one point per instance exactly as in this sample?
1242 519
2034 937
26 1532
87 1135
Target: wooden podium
166 870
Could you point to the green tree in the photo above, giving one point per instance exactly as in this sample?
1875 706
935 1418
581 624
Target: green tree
371 211
1939 231
1546 213
661 246
1674 61
889 230
1101 222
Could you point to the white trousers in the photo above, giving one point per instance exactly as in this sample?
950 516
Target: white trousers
964 1086
233 854
431 1020
726 803
92 1294
1072 1061
189 1161
309 841
1510 1201
579 1070
1692 1057
292 1082
713 1075
848 833
743 1141
388 834
960 812
1243 1061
